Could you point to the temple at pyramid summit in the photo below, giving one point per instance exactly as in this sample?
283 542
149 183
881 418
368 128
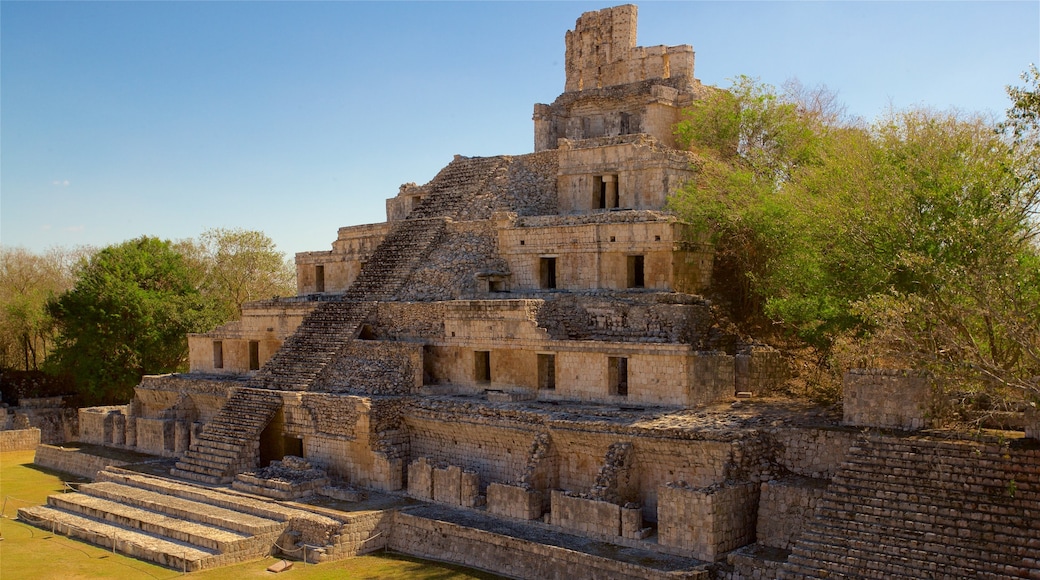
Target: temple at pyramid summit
517 371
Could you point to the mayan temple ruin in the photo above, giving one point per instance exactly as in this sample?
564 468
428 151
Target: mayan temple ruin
517 372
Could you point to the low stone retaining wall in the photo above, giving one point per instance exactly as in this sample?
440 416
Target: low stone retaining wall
19 439
509 556
72 461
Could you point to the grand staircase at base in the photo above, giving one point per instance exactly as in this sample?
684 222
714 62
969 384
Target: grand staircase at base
918 509
229 443
178 525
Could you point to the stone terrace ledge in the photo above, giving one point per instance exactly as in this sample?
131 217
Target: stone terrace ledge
607 216
719 422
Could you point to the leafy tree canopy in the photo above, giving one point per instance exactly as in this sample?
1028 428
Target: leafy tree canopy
27 282
911 241
236 266
128 315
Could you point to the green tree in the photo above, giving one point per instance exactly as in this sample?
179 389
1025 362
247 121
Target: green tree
27 282
127 315
913 239
751 141
236 266
975 315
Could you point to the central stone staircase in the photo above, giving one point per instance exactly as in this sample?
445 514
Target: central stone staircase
229 443
457 186
179 525
923 509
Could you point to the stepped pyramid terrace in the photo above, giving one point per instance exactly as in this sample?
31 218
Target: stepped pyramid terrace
517 372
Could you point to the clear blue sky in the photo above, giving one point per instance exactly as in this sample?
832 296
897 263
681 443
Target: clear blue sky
167 118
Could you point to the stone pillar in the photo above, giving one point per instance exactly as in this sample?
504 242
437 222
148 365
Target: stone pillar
447 484
420 479
469 486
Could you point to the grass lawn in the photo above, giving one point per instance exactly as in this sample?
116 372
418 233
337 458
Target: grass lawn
27 552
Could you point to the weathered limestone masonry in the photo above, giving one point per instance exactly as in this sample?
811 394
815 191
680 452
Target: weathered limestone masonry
55 422
19 439
521 350
887 398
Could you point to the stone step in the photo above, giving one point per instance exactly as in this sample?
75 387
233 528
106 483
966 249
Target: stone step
955 469
873 554
137 544
262 508
178 507
191 471
935 538
932 511
189 474
158 524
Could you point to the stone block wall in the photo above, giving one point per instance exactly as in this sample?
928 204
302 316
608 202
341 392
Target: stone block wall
585 516
510 556
19 439
647 171
809 452
374 367
711 378
784 507
655 461
206 394
513 501
759 370
602 51
266 322
71 461
57 423
166 437
341 265
592 256
495 453
420 479
447 484
886 398
361 534
103 425
707 522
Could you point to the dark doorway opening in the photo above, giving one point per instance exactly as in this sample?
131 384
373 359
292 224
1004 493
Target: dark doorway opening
254 355
319 278
636 272
547 273
617 371
547 371
482 366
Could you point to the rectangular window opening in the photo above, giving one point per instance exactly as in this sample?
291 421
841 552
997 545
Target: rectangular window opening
319 278
218 354
547 272
254 355
482 366
496 286
617 372
547 371
636 272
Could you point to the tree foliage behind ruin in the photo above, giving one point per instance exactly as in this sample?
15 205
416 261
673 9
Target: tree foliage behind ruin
909 242
99 319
